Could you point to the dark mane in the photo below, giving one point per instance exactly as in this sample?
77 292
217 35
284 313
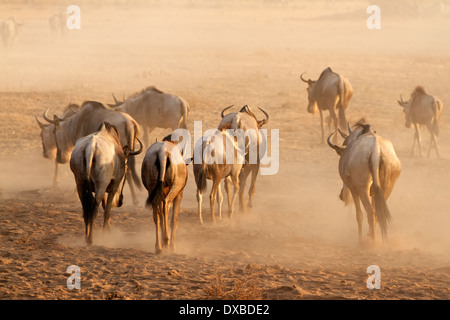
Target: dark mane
360 123
325 71
94 104
420 90
150 88
112 130
246 109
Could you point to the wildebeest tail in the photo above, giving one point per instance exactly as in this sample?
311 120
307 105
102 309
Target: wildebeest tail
184 115
382 212
202 175
87 199
88 203
157 195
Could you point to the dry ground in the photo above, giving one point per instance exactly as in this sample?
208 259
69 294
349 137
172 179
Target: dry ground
299 241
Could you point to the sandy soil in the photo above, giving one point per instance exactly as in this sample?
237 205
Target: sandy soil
299 241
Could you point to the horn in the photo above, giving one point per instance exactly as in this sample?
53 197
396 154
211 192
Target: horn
46 118
135 153
264 121
115 99
301 77
339 150
225 110
41 125
343 135
349 128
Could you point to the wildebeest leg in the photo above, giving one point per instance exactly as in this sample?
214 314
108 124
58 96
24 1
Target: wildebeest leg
242 180
107 208
212 198
219 201
199 202
156 219
165 222
414 143
89 210
370 213
174 221
55 177
100 191
358 214
433 141
130 182
251 190
336 122
416 127
235 181
321 125
228 190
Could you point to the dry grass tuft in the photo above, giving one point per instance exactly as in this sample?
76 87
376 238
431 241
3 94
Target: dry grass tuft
246 288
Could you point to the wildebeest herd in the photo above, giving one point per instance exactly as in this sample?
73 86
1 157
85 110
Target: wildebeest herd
101 142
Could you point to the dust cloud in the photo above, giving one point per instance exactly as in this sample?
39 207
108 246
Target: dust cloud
214 54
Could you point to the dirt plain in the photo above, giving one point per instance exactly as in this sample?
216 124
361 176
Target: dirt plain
299 241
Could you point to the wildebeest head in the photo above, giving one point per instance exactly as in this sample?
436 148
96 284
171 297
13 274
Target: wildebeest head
361 129
61 138
47 139
247 110
312 104
406 110
48 132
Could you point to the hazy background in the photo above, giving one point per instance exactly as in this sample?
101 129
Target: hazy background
218 53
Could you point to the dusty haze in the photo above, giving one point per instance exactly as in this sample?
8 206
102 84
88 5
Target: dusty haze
299 241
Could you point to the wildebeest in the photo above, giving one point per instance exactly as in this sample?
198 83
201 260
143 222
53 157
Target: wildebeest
330 92
9 30
164 175
368 166
58 24
422 109
217 163
246 121
152 108
98 162
86 121
48 137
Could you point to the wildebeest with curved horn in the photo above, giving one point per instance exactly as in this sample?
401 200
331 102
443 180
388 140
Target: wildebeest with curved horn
330 92
246 121
164 175
368 166
422 109
48 137
86 121
98 162
152 108
217 164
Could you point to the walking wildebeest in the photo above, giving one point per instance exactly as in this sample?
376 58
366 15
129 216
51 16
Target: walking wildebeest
216 164
164 175
368 166
49 140
98 162
152 108
86 121
330 92
246 121
422 109
9 30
